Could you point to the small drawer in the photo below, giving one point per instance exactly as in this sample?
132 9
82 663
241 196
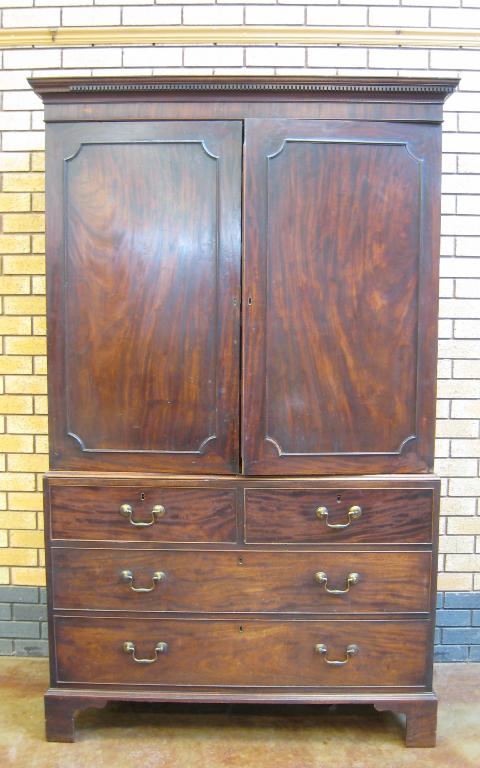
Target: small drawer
240 581
158 514
356 515
256 652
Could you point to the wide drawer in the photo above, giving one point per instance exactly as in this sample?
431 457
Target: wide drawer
159 514
357 515
240 581
250 653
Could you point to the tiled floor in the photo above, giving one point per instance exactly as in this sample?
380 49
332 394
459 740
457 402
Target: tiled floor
162 736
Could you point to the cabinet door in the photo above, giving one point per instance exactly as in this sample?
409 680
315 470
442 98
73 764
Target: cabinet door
144 238
341 243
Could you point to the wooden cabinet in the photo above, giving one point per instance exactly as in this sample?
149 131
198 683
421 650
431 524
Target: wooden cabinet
144 279
242 282
339 349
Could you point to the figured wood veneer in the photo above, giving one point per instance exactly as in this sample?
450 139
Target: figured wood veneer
240 581
144 295
191 514
242 303
339 355
388 515
247 653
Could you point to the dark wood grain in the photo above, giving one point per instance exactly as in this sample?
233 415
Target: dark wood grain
332 277
342 281
193 109
60 715
388 515
341 190
241 581
65 700
421 719
412 99
336 483
252 652
191 514
233 87
144 310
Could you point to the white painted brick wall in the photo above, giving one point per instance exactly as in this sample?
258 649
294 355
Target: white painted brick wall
268 14
337 57
331 16
91 57
206 15
159 14
400 17
29 59
275 57
458 17
458 426
90 17
62 2
31 17
213 57
468 288
152 57
398 58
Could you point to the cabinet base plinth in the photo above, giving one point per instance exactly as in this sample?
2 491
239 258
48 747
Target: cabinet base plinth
60 714
62 704
421 729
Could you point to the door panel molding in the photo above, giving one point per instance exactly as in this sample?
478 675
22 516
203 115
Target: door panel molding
74 443
265 450
269 437
70 432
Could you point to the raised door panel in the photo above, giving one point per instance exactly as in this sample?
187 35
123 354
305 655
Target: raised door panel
144 281
340 277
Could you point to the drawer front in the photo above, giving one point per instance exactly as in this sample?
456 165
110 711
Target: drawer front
240 581
121 513
251 653
367 515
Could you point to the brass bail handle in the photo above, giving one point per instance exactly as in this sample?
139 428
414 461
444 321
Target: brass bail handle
129 647
351 650
127 511
128 577
322 578
353 514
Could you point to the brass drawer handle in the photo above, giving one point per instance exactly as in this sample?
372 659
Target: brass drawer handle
157 577
127 511
322 578
129 647
352 650
353 514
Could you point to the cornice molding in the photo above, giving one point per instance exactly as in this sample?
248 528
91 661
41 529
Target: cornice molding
53 90
317 87
60 37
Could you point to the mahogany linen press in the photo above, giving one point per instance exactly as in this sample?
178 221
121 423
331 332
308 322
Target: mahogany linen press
242 314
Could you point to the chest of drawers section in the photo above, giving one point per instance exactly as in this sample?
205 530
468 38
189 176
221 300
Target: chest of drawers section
228 589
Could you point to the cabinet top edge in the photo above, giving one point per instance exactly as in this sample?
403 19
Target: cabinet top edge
137 477
54 89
